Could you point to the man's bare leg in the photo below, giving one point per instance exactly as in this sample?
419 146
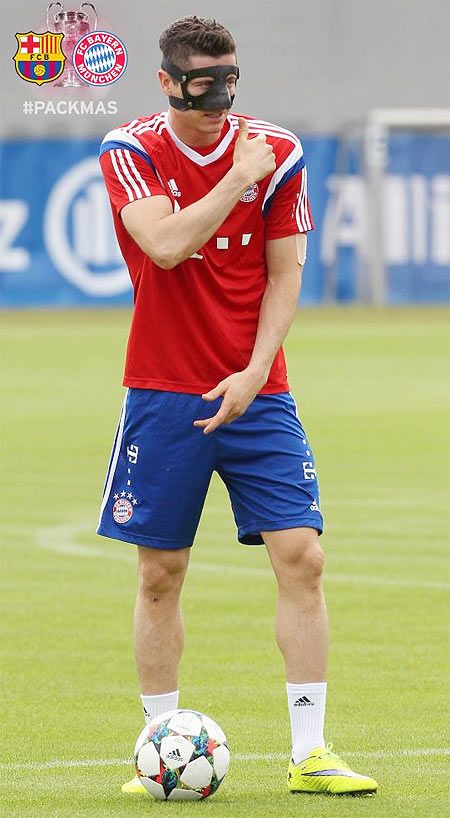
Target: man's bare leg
302 635
301 631
301 621
158 632
158 622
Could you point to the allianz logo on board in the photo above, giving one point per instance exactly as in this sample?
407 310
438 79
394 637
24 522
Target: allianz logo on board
78 233
415 218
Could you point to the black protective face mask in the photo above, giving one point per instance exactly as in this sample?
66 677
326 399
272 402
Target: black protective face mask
215 98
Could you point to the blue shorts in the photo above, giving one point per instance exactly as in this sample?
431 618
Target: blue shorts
161 467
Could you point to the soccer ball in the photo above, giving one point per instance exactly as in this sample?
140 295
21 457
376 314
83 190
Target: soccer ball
181 755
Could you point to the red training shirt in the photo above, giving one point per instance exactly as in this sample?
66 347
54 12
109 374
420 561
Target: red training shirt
195 324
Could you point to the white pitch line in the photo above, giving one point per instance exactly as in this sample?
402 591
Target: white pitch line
388 581
62 539
360 579
119 762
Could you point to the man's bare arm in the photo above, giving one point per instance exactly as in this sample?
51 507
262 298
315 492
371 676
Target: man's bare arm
170 238
279 302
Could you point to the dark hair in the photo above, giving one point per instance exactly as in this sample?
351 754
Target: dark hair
195 35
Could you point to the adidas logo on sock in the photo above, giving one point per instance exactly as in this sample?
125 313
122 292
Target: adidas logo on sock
175 754
303 701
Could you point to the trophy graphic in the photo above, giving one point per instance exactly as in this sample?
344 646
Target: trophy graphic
73 24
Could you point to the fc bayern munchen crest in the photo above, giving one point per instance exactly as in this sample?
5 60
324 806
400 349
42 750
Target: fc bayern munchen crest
39 57
250 194
100 58
122 510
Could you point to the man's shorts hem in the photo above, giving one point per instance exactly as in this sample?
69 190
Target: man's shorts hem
247 535
140 539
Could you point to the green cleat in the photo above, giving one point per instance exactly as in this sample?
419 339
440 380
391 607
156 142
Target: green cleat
324 772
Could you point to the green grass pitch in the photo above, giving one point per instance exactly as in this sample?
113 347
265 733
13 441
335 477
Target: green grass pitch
373 392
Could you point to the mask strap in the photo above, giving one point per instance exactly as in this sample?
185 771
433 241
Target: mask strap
173 70
178 75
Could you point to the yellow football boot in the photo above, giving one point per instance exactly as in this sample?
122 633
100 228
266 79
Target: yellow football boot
323 771
134 786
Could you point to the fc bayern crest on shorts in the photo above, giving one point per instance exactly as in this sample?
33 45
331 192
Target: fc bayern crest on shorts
122 511
250 194
100 58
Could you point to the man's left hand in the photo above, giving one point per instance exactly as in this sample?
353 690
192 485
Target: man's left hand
238 391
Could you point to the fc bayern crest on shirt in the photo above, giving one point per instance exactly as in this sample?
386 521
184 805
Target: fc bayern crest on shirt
122 511
39 57
250 194
100 58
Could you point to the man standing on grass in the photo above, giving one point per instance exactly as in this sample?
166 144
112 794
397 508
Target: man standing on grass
211 214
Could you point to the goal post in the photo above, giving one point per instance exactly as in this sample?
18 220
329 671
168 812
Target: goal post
381 123
385 235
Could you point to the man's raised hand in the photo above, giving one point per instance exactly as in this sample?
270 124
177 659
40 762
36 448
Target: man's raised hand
253 157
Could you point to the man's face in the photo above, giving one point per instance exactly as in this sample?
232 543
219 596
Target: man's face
205 121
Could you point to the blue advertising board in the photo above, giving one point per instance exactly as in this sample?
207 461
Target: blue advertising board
58 248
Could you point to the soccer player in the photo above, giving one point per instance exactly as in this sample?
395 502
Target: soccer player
211 214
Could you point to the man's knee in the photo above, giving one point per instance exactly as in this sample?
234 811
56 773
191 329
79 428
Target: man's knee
306 563
311 562
296 554
161 572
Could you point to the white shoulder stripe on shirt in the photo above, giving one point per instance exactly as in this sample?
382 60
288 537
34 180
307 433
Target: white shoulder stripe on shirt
158 127
131 125
126 170
136 173
308 220
273 126
149 126
301 212
128 175
137 124
268 127
260 122
257 129
120 176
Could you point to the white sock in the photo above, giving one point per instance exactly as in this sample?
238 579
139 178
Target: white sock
161 703
306 704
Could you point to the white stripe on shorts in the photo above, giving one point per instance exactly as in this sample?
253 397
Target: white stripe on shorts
115 457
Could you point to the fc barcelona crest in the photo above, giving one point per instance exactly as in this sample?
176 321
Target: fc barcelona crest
39 57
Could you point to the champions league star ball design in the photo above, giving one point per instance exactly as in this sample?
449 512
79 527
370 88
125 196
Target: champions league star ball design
181 755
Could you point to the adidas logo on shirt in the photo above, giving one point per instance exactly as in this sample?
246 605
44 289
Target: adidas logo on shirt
303 701
173 187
